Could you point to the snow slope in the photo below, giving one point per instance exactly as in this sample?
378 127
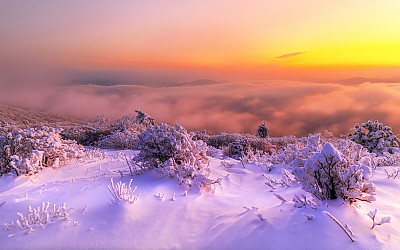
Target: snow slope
242 213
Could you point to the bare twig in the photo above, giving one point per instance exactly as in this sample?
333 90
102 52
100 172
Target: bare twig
340 224
280 197
129 165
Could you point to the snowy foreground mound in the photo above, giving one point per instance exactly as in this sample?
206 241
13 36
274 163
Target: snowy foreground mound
251 208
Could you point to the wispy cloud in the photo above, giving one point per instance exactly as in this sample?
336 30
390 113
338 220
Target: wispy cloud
290 55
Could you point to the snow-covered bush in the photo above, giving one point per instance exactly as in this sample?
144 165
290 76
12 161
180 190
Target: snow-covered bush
103 133
296 149
86 134
236 150
132 123
328 175
387 160
143 118
375 137
302 148
27 151
6 127
173 152
119 140
239 145
124 132
262 131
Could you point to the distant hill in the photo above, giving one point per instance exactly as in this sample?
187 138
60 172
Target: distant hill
22 118
198 82
360 80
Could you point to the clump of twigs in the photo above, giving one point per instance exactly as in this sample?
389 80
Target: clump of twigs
123 192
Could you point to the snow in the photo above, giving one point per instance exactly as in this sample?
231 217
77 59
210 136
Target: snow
241 213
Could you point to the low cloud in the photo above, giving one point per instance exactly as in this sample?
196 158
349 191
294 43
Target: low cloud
295 108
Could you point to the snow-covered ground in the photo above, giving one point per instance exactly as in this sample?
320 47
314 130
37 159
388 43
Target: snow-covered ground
241 213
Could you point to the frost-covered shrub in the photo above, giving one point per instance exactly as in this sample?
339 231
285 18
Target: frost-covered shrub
296 148
328 175
124 132
86 134
237 149
132 123
375 137
302 148
27 151
143 118
239 145
387 159
173 152
103 133
119 140
6 127
262 131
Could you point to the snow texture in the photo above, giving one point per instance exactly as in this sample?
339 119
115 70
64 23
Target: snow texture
240 213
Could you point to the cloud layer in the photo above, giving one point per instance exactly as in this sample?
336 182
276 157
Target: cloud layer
296 108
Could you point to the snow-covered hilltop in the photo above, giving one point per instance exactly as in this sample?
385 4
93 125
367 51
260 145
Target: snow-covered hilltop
162 187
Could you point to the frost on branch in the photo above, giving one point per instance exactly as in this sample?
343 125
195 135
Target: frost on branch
174 154
375 137
26 151
372 215
262 131
328 175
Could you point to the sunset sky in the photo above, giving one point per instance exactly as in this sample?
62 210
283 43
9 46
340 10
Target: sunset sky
277 39
54 43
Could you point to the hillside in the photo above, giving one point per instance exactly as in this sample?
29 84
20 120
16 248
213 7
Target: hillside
22 118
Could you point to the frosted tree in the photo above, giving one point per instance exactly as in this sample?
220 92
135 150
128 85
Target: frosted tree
375 137
328 175
262 130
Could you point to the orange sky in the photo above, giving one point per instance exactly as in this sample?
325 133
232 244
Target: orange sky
301 65
276 39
